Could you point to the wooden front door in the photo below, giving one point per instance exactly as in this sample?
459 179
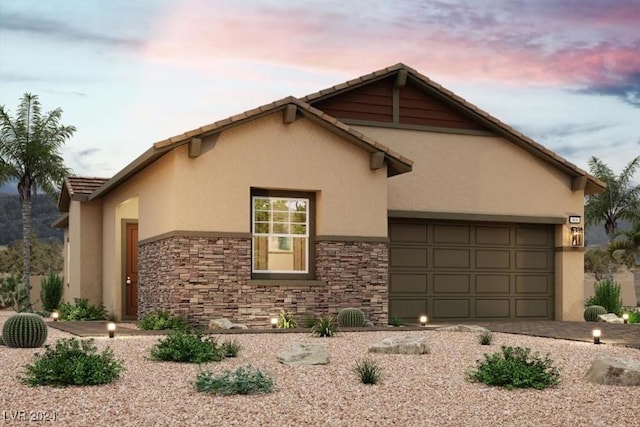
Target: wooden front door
131 292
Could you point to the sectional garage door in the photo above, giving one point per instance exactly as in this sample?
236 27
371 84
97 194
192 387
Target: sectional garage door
470 271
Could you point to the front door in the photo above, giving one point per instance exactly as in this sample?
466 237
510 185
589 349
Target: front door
131 293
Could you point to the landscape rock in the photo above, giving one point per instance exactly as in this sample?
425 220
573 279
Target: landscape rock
305 354
613 371
223 323
610 318
407 344
367 324
464 328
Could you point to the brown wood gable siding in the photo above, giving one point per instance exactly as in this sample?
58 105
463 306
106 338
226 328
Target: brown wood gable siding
371 102
420 108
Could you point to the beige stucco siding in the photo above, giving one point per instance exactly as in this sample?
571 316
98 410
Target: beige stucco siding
214 194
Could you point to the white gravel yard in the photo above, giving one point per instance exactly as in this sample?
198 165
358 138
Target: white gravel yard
427 390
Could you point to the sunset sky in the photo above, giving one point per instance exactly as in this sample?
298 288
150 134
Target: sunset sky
129 73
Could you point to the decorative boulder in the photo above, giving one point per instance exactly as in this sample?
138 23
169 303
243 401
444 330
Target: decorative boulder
613 371
610 318
223 323
464 328
305 354
401 345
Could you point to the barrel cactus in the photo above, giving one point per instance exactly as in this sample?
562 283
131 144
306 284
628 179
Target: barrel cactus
351 318
24 330
592 312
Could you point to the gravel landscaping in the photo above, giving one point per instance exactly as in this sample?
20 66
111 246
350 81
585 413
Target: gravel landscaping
416 390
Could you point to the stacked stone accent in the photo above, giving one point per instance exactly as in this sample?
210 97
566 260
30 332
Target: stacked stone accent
205 278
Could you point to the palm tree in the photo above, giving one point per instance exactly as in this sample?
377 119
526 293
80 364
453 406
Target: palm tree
627 248
30 146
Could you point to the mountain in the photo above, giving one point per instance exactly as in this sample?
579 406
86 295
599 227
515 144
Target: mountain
596 236
43 213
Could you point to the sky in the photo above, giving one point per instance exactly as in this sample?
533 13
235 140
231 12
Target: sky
129 73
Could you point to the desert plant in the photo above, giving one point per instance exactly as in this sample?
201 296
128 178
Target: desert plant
244 380
25 330
515 367
368 371
485 338
606 294
324 327
73 362
396 320
351 318
1 340
163 320
81 309
634 314
51 292
592 312
286 320
13 294
179 346
230 348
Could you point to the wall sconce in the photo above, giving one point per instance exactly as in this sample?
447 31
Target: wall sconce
423 320
596 335
577 237
55 315
111 327
625 317
274 322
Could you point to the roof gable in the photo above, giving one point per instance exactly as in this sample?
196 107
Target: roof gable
78 188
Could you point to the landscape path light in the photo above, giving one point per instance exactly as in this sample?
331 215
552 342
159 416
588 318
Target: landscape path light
423 320
597 333
55 315
111 327
625 317
274 322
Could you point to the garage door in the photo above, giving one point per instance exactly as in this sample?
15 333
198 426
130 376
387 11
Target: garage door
470 271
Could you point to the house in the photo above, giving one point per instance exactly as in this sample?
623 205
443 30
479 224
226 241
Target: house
387 192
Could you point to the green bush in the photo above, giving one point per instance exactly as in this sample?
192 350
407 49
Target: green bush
368 371
396 321
515 367
73 362
244 380
82 310
51 292
351 318
286 320
592 312
24 330
163 320
230 348
324 327
606 294
13 294
179 346
485 338
634 315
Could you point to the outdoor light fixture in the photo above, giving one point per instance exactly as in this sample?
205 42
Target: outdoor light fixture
577 237
274 322
55 316
423 320
111 327
625 317
596 336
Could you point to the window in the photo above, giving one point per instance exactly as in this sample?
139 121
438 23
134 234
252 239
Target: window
281 228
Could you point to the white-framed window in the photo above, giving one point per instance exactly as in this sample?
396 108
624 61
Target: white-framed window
281 229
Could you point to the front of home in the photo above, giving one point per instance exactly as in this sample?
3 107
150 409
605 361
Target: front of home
387 192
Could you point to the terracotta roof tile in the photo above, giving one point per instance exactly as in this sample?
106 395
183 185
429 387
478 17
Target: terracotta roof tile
83 186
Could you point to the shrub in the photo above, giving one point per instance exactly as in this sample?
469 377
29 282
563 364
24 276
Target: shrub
368 371
485 338
286 320
162 320
351 318
13 294
515 367
324 327
634 314
73 362
179 346
396 321
25 330
51 292
606 294
82 310
592 312
230 348
244 380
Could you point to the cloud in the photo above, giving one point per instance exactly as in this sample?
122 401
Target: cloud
628 89
88 152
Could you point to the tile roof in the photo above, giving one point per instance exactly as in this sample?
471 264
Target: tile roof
83 186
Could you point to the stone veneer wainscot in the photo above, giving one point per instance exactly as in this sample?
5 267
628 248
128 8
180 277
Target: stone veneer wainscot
203 278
